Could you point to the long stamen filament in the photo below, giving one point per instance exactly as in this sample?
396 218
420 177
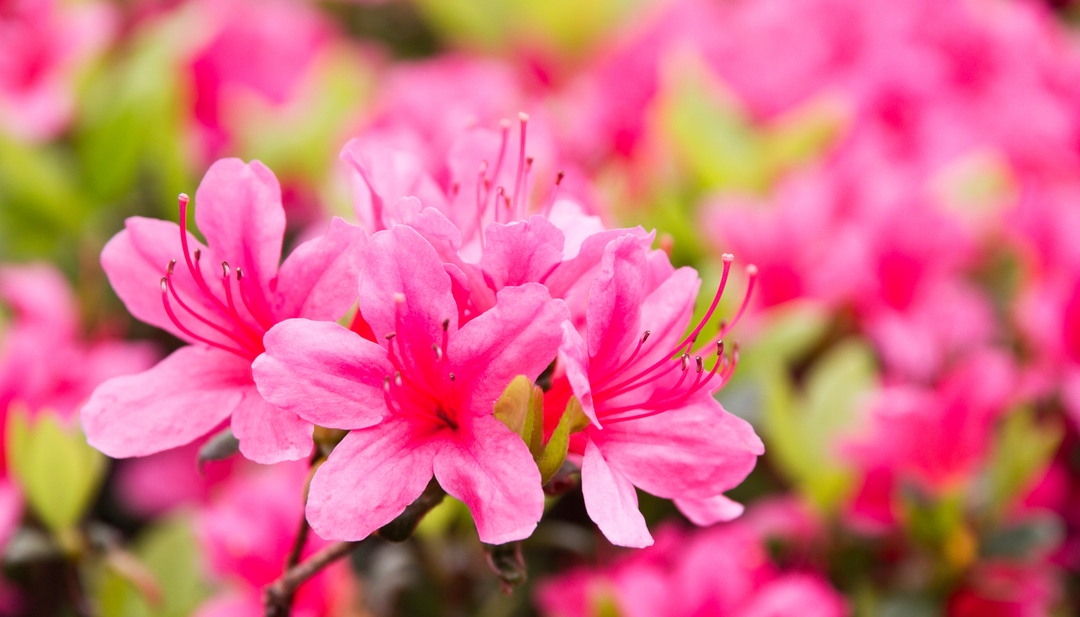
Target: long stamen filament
185 330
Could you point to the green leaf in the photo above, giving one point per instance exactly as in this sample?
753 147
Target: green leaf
171 555
1023 449
513 407
802 428
578 420
555 451
58 471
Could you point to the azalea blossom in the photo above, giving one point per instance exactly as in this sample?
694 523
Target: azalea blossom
648 395
418 399
220 298
720 571
45 42
246 534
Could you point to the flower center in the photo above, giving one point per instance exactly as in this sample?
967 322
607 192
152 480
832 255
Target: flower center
421 388
679 359
228 330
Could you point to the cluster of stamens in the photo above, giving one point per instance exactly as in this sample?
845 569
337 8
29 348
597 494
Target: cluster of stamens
240 338
681 359
399 387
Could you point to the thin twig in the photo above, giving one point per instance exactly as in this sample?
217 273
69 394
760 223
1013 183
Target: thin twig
278 596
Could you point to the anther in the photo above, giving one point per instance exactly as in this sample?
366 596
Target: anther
645 337
685 361
700 363
239 274
438 352
446 324
399 298
169 268
390 335
198 254
224 269
386 385
452 378
727 257
397 378
559 177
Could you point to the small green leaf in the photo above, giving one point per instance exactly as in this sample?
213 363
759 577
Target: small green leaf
513 408
57 470
555 451
578 420
534 422
1024 447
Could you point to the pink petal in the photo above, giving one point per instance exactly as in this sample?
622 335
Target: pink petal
666 313
268 434
318 279
136 259
615 299
368 480
575 271
611 502
695 451
710 510
185 396
382 175
231 605
238 209
574 359
324 373
40 295
489 468
399 262
520 336
521 252
11 509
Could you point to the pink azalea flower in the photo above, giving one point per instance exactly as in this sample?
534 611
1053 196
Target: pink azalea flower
1006 590
654 424
221 299
721 571
266 48
489 235
44 364
938 436
155 485
420 401
246 535
44 43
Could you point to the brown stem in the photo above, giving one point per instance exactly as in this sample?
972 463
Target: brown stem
278 596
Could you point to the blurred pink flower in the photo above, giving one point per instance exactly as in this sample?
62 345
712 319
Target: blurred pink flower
651 426
222 316
246 535
433 386
265 47
44 363
720 571
154 485
1006 590
44 43
937 437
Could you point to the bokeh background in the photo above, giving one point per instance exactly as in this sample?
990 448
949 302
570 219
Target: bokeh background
905 174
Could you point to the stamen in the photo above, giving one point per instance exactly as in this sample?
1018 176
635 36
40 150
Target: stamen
183 305
481 201
752 274
376 199
504 126
554 192
232 305
522 209
524 118
265 323
438 352
606 378
185 330
727 258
